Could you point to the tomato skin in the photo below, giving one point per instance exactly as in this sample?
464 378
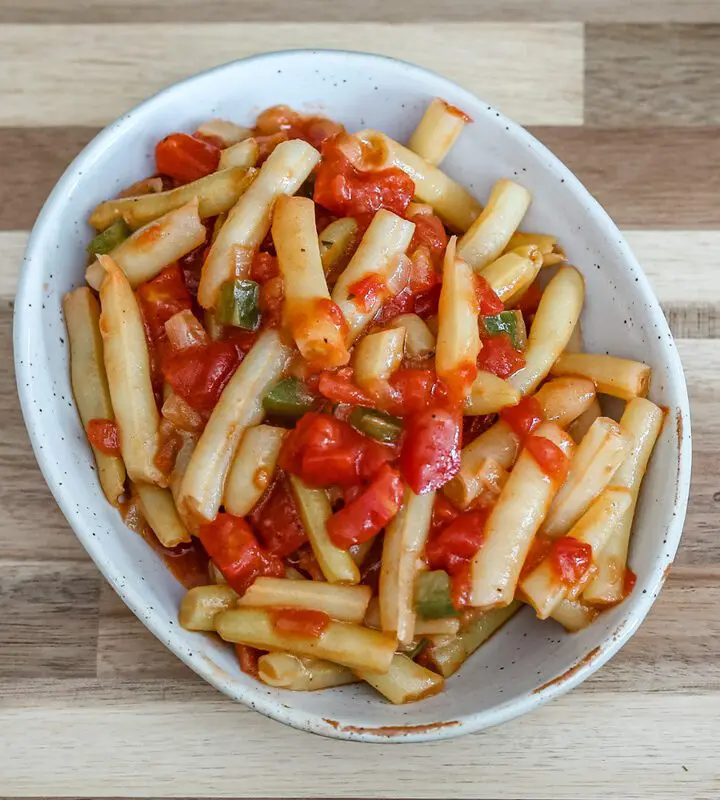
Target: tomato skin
369 512
461 586
458 543
430 453
276 519
443 513
499 356
299 622
199 374
103 435
346 191
264 266
412 390
325 451
524 417
338 387
429 231
235 551
488 301
162 298
549 457
539 549
570 559
368 291
186 158
248 658
402 303
169 445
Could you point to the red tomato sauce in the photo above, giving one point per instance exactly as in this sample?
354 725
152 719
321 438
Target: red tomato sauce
550 458
276 519
629 582
248 658
488 301
304 622
498 356
570 559
104 436
458 543
539 549
368 292
524 417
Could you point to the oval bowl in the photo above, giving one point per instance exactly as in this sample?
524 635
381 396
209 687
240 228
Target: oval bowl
527 662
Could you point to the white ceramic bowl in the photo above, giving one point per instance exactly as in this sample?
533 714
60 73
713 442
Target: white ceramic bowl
527 662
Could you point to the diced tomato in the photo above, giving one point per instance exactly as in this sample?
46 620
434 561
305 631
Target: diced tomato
276 519
169 445
488 301
429 231
317 130
423 287
248 658
524 417
368 292
186 158
161 298
266 144
474 426
338 387
199 374
346 191
550 458
461 586
539 548
629 582
430 453
402 303
426 304
458 543
412 390
272 295
264 266
367 514
236 553
443 513
104 436
299 622
499 356
325 451
570 559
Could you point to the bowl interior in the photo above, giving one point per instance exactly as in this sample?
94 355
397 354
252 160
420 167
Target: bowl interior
621 317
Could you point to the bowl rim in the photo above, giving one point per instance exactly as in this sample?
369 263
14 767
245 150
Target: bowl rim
252 697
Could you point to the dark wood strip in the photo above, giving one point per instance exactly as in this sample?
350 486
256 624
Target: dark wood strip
693 320
49 622
128 11
649 75
646 178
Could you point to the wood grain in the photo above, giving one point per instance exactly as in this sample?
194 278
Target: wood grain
69 84
648 75
347 11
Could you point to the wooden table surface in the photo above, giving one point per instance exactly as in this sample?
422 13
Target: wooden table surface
628 95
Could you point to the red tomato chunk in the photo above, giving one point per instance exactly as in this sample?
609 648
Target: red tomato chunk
347 191
458 543
488 301
248 658
430 453
186 158
570 559
104 436
299 622
199 374
161 298
277 521
499 356
236 553
324 451
524 417
550 458
443 513
369 512
338 387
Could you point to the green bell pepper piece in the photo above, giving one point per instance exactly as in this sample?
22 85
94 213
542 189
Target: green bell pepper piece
290 398
376 424
509 322
110 238
432 595
239 304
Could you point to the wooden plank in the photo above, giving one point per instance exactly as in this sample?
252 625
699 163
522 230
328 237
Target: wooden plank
666 256
175 748
648 75
125 11
70 84
49 623
659 178
636 175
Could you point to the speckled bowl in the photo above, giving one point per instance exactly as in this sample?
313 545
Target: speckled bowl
527 662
